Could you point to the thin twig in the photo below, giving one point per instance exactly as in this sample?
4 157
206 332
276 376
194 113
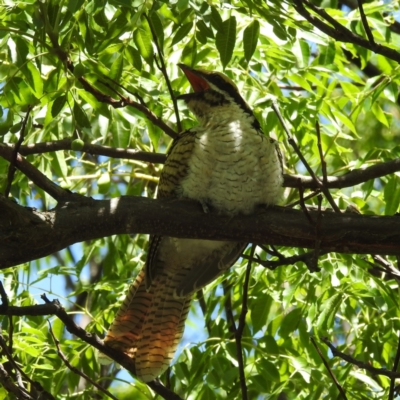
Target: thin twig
163 69
3 295
303 198
203 306
349 179
317 248
394 370
321 154
306 258
66 144
296 148
37 177
74 369
118 356
338 385
137 95
12 167
303 204
365 23
5 303
228 309
103 98
9 385
360 364
241 325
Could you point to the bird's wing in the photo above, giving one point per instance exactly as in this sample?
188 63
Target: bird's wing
175 169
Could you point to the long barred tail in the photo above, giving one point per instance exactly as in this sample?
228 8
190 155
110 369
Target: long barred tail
149 325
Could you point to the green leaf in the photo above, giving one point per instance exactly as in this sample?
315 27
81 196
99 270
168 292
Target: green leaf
250 39
189 53
117 67
121 131
33 78
392 195
296 78
328 311
301 50
157 27
225 40
268 370
379 114
182 32
58 105
290 322
204 29
259 312
22 50
81 117
133 57
216 20
327 53
142 38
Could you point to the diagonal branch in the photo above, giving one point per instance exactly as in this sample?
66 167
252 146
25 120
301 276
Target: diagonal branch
360 364
13 161
365 22
339 32
338 385
35 175
296 148
76 370
163 69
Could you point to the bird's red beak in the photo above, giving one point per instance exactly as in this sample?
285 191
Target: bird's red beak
197 82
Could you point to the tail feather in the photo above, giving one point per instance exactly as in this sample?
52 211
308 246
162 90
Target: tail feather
150 324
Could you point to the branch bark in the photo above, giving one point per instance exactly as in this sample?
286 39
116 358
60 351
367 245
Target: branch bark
339 32
27 234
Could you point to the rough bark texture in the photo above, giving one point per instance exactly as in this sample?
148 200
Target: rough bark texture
26 234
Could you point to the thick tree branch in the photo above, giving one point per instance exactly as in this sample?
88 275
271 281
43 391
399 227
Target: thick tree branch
27 234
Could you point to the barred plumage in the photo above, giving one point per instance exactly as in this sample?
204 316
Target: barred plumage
227 163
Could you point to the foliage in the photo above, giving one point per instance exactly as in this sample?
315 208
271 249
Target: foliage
57 56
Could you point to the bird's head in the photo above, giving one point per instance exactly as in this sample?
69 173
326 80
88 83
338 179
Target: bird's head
211 91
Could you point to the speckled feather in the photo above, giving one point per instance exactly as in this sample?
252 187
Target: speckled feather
227 163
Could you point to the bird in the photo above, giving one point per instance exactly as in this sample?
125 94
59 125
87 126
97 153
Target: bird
229 166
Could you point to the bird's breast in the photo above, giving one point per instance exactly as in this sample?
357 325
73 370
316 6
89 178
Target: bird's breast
233 168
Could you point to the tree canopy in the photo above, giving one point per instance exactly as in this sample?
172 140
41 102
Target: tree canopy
88 110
